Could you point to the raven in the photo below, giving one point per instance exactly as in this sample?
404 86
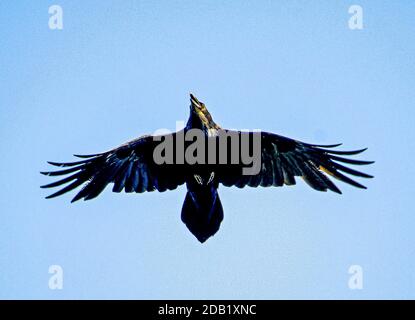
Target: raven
133 167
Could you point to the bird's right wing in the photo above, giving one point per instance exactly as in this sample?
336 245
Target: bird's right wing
130 166
282 159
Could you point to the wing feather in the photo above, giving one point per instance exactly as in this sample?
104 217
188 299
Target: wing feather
283 159
129 167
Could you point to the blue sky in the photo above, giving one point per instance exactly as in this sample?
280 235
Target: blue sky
117 71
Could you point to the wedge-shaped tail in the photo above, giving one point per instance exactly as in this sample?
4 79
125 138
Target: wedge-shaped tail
202 214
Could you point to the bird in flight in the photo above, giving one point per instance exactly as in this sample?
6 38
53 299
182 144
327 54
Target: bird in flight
164 162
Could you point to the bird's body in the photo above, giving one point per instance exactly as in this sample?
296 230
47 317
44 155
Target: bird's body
135 167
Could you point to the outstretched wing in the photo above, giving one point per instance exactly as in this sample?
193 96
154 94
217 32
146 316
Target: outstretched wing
283 159
130 167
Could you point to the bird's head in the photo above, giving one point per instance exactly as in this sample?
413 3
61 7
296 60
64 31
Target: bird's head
199 110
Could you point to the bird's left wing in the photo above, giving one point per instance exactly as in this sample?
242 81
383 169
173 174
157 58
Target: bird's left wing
130 166
282 159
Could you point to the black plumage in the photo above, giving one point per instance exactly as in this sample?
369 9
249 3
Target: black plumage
131 167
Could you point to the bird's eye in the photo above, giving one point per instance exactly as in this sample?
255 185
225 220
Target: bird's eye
212 175
198 179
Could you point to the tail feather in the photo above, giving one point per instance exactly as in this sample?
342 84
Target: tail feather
202 221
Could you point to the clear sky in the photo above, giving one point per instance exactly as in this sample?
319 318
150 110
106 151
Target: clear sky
121 69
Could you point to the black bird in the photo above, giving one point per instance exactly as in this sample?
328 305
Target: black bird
132 167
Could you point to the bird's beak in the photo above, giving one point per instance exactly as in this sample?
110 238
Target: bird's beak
194 101
199 109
